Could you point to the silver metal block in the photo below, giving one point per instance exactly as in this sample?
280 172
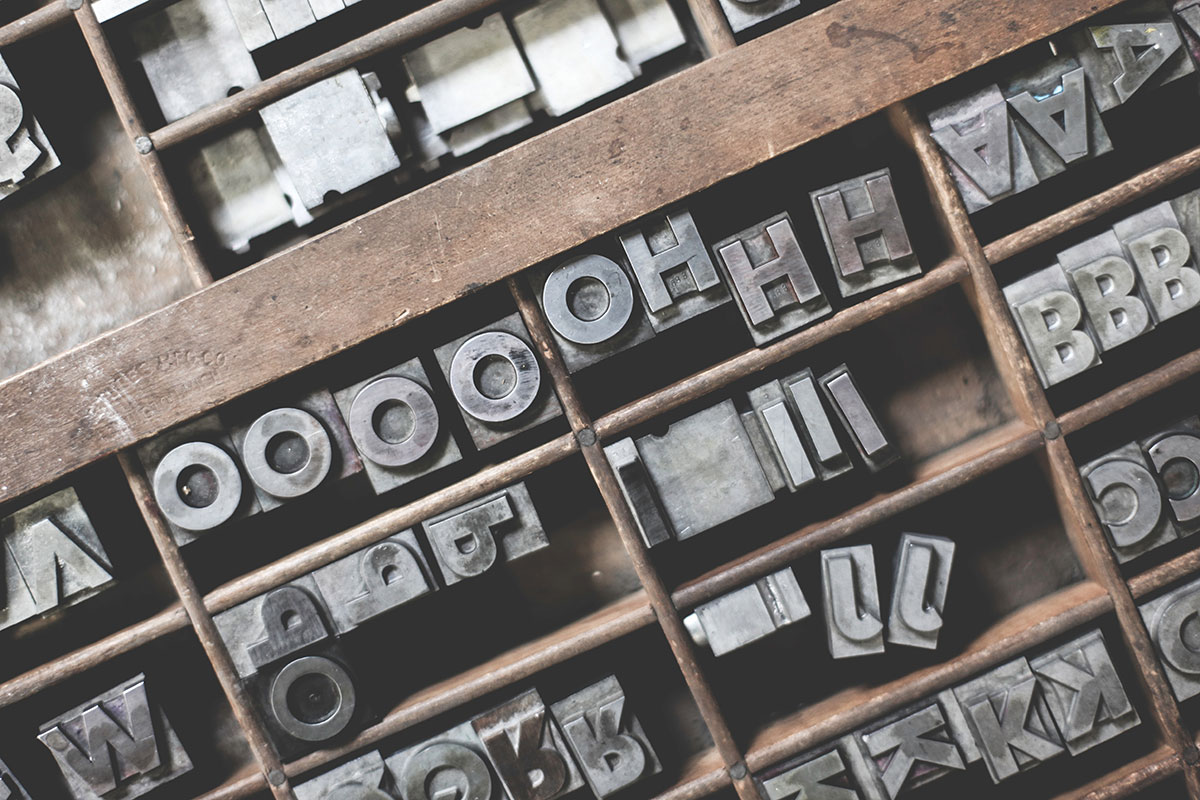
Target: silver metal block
263 21
193 55
1010 719
274 625
608 741
909 749
364 778
573 52
309 700
744 14
374 580
820 439
1106 283
111 9
982 147
777 440
453 764
863 424
10 787
1055 115
1129 502
639 492
25 152
773 284
957 726
671 265
645 29
118 744
922 575
1175 455
832 772
1161 248
1052 323
1084 693
197 481
864 233
522 741
748 614
53 558
1171 620
468 540
396 426
851 597
592 308
497 381
704 470
1129 50
330 137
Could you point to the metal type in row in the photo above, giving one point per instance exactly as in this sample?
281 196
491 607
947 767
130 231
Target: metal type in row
1012 718
720 463
1110 289
25 152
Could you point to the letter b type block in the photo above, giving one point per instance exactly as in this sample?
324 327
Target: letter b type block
1052 323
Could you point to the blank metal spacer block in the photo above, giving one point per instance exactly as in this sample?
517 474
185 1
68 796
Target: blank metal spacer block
744 15
396 426
1160 242
53 558
864 233
851 598
859 420
119 744
453 764
748 614
772 282
25 152
1170 620
982 147
527 749
467 541
639 492
608 741
365 777
776 439
1084 693
1175 455
1129 502
670 263
1106 283
497 381
374 580
922 575
1053 325
909 749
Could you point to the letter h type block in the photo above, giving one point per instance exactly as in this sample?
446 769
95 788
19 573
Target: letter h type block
527 749
1051 321
607 739
113 742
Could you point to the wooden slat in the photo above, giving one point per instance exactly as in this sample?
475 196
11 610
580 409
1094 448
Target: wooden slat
475 227
1129 779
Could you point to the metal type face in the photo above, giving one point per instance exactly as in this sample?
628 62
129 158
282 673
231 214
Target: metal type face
704 470
287 452
744 14
1010 719
364 778
672 267
451 765
396 426
497 381
10 787
573 52
25 152
751 613
263 21
983 149
468 73
330 137
312 698
467 540
1051 321
776 439
1187 13
1174 624
1106 284
257 633
824 776
374 580
1175 455
1135 48
910 750
859 420
638 491
193 55
592 309
527 749
864 233
119 740
607 740
922 575
1129 502
1057 120
1084 693
820 439
1161 252
772 281
53 558
851 598
645 29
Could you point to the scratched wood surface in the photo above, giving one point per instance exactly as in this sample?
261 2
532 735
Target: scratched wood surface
477 226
